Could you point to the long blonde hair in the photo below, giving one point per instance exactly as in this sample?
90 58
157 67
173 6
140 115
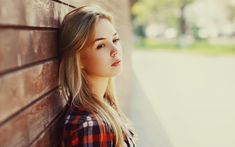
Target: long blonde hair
76 34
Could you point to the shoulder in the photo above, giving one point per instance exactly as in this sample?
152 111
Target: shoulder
82 127
76 119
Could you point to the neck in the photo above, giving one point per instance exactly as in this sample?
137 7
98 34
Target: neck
98 85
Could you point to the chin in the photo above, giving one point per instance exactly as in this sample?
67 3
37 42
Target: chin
116 72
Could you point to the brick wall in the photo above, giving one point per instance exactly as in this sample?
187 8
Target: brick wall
30 109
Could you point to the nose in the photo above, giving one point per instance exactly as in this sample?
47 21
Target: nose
114 51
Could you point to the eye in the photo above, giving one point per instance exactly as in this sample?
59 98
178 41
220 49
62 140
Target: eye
116 40
100 46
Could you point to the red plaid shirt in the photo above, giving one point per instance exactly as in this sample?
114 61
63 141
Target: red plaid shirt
82 129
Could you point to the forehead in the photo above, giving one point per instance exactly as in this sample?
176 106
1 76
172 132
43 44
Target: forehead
104 28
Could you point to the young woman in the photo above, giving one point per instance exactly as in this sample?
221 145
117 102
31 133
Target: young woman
91 54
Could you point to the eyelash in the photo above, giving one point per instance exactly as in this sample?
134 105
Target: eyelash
102 45
115 40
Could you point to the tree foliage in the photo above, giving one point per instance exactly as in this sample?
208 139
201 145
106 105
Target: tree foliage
167 11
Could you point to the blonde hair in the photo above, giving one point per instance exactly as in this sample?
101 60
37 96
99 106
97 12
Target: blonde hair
76 34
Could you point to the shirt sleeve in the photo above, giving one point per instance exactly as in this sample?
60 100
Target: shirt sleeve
93 134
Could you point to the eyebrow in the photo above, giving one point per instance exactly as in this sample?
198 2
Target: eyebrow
97 39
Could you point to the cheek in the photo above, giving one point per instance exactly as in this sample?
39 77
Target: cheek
95 63
99 63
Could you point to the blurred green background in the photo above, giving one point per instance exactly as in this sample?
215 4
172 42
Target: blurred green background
184 64
198 26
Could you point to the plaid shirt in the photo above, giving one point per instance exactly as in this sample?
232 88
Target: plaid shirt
82 129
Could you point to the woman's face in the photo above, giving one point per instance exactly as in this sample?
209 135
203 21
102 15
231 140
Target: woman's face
104 57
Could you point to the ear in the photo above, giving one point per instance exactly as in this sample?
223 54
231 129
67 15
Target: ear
81 63
79 60
81 66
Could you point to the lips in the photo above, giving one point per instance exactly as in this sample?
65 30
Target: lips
116 63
